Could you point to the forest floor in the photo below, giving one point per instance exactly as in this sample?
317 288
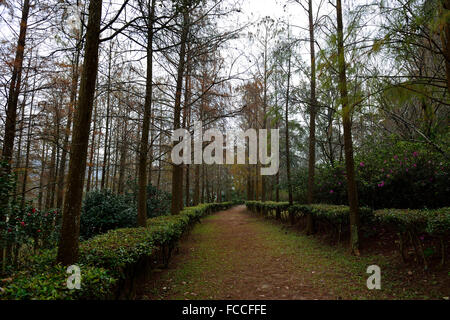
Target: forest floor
236 255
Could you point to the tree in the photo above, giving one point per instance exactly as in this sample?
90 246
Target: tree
68 245
312 119
14 87
348 143
286 124
177 170
143 149
11 111
445 37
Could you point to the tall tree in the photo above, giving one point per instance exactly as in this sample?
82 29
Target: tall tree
13 97
14 87
143 148
348 142
312 119
68 244
445 37
286 124
177 170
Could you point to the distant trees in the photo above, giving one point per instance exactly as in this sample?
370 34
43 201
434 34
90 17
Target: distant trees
105 96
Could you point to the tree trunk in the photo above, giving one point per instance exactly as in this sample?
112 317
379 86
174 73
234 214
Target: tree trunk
72 101
68 244
123 158
177 170
51 179
264 122
312 121
19 143
14 87
41 176
158 181
116 157
104 183
202 200
445 39
196 184
187 121
348 143
92 151
28 147
142 175
13 97
286 123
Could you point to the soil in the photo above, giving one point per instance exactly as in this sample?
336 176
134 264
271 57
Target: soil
235 255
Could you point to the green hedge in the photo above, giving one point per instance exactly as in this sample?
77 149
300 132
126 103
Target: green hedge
268 208
106 261
410 225
333 214
434 222
44 280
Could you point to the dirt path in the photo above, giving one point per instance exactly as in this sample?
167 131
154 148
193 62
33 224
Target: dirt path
234 255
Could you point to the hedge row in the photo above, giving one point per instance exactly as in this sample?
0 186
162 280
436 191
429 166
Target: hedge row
110 263
410 225
334 215
268 208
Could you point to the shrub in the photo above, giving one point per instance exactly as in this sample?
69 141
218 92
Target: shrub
409 224
413 225
391 175
106 260
103 211
32 226
158 202
44 280
433 222
336 215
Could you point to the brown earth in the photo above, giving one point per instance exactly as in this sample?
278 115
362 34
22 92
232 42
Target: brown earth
255 272
235 255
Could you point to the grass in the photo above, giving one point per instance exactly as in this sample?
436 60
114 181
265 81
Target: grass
191 279
330 270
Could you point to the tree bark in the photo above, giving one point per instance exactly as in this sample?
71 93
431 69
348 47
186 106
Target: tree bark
312 121
92 151
187 121
14 87
68 244
348 143
41 176
72 101
104 182
142 175
123 158
28 147
177 170
264 122
445 39
13 97
286 123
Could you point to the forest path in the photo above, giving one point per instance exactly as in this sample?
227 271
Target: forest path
234 255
